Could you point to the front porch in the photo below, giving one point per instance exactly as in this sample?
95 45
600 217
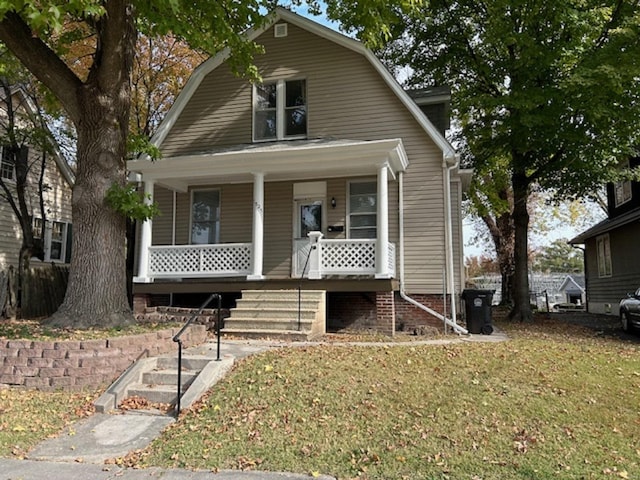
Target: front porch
315 259
314 210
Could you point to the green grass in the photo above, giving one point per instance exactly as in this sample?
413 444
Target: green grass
27 417
551 403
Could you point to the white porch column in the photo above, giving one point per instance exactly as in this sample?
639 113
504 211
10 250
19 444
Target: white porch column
257 252
145 238
315 258
382 237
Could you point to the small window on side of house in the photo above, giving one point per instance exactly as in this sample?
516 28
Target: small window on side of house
7 165
363 200
56 243
622 192
604 256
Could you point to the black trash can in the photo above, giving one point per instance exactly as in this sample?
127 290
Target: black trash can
478 310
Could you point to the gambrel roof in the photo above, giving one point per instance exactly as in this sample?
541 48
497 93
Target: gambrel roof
281 14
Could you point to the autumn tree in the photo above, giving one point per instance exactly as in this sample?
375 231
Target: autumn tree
551 87
98 104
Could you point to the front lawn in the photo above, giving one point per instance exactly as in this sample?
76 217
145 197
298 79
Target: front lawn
554 402
27 417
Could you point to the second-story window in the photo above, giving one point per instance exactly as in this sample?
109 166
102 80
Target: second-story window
7 164
622 192
280 110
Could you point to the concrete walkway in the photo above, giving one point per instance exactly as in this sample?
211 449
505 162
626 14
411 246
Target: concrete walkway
81 450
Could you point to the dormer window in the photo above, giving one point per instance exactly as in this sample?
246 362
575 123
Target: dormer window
280 110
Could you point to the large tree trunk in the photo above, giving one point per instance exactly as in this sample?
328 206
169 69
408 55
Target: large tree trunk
522 308
97 289
96 292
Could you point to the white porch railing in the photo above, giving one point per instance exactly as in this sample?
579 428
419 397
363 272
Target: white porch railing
193 261
330 257
340 257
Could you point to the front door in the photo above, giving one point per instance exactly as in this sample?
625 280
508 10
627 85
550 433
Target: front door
308 217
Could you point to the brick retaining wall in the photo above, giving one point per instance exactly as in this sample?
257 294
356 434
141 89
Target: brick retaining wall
73 365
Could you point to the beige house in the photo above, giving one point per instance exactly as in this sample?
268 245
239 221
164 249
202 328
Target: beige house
57 180
327 176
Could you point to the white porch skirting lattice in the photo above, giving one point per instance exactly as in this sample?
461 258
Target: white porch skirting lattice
192 261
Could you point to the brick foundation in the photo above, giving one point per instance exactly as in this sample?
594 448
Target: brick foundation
351 310
74 365
385 313
140 302
409 317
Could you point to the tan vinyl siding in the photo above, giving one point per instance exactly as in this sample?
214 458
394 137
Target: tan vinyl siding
183 218
278 227
236 213
162 226
347 99
57 202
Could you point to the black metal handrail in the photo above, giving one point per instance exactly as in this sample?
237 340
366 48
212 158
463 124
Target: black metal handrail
306 263
176 338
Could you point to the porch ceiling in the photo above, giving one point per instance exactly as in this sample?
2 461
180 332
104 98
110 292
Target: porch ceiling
292 160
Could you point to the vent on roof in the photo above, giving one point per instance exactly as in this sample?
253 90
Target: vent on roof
280 30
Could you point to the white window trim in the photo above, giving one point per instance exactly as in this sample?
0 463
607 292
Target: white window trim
217 239
13 168
606 270
46 242
621 184
348 201
280 110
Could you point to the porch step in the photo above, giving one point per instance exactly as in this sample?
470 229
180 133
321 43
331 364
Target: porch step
154 393
155 379
278 314
258 323
264 333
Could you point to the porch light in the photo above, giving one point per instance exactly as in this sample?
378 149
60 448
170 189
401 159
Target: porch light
333 202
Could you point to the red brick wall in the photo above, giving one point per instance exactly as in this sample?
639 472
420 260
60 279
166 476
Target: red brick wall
351 310
73 365
408 316
385 313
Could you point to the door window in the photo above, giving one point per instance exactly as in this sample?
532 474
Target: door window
310 218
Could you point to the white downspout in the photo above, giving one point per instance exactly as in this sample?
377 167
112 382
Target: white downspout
456 328
449 234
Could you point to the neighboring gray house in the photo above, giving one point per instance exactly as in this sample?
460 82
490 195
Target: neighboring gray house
611 260
327 176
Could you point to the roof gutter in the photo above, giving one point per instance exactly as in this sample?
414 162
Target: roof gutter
451 322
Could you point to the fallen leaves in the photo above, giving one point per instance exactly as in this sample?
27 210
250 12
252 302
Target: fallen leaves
140 403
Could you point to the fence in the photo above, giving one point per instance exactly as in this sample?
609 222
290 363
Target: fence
43 290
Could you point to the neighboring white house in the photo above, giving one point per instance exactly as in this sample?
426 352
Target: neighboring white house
57 180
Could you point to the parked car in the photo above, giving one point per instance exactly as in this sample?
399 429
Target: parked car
630 311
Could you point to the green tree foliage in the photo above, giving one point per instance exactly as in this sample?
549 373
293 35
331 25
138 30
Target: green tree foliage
559 257
549 87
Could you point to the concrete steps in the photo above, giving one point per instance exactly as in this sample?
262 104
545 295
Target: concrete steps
280 314
156 380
